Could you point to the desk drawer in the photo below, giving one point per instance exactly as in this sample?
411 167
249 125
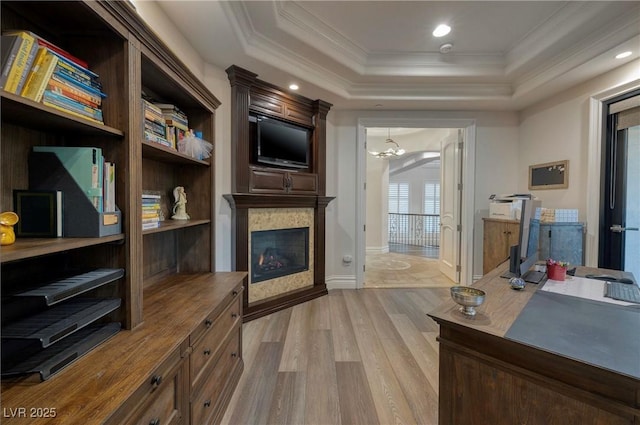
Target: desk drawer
167 404
206 349
205 401
209 323
155 392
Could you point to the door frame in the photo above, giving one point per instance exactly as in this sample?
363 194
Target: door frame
468 184
597 129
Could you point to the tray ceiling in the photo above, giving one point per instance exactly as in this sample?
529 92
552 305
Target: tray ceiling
381 54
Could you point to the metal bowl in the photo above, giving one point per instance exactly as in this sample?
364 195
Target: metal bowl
469 298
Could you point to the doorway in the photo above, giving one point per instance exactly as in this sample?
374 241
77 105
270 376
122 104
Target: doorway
465 194
619 245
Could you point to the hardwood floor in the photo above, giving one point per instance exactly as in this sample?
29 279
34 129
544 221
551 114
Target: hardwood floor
353 357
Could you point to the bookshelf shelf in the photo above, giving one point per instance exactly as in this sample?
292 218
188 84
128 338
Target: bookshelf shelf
23 111
171 225
30 248
161 153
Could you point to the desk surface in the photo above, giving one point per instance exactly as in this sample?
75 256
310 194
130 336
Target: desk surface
601 334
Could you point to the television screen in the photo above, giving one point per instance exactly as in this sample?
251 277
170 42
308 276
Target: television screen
281 143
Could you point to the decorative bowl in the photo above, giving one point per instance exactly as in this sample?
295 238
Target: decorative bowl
469 298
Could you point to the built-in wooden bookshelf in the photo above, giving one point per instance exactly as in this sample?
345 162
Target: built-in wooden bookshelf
171 265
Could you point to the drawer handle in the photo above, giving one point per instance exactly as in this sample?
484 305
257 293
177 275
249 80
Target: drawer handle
234 354
156 380
207 403
208 323
234 315
155 421
234 293
207 352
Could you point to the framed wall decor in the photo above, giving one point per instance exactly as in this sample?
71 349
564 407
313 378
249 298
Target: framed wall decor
550 175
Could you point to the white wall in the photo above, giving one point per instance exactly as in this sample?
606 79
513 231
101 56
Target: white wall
377 235
496 172
560 128
557 129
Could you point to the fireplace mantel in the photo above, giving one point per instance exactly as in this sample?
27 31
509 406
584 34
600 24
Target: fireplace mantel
247 200
241 203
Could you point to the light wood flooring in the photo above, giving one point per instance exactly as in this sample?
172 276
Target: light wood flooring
353 357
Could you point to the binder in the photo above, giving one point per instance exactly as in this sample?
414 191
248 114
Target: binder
60 168
85 166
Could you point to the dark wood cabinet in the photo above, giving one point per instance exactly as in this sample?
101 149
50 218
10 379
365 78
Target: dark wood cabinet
486 377
162 398
270 101
255 186
170 294
263 180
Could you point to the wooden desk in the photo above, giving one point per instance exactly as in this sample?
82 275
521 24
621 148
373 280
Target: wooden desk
488 379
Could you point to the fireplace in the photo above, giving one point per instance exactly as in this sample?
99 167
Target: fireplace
277 253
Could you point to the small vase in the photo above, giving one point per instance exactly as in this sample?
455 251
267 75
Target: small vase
556 272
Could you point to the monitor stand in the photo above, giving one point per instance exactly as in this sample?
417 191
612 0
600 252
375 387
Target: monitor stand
508 275
514 263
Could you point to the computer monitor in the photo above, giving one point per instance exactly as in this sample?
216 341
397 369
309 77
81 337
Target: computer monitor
520 259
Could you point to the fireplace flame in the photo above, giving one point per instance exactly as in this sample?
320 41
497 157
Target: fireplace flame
261 260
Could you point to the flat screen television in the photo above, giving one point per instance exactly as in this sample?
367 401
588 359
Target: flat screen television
281 143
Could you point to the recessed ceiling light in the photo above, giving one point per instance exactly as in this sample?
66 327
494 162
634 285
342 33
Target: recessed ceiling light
441 30
623 55
446 48
293 86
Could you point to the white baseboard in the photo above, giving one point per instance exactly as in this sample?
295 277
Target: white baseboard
341 282
476 277
377 249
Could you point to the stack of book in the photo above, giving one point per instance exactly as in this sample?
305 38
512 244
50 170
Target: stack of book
150 211
155 127
43 72
177 123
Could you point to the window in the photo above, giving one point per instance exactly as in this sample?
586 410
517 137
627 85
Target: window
431 198
399 198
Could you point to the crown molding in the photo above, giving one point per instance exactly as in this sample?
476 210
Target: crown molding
295 20
536 63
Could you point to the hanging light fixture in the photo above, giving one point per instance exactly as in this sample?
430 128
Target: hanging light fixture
397 151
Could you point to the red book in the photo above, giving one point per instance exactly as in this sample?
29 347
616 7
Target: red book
52 47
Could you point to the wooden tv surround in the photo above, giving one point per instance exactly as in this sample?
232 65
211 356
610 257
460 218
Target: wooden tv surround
256 186
178 355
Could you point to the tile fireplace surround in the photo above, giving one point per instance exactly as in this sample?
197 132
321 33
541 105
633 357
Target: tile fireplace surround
267 212
273 219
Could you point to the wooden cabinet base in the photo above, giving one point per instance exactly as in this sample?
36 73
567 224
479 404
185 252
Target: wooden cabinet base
254 311
145 374
478 389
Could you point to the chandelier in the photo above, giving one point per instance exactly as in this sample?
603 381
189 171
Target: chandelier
397 151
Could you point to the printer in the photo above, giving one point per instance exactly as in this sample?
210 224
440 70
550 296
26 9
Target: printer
507 207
